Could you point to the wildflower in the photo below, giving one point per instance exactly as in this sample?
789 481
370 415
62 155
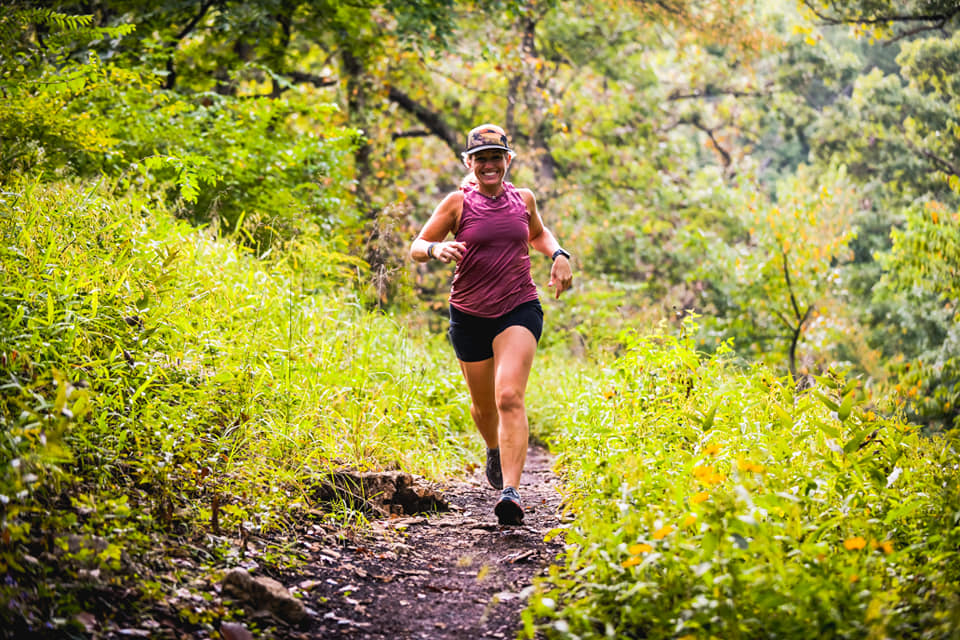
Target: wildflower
609 393
702 496
712 450
745 465
701 472
689 520
707 475
637 549
855 543
854 578
886 546
715 478
663 532
630 562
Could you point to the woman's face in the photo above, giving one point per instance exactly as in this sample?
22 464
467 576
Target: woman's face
489 166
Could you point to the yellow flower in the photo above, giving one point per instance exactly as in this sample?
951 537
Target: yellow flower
854 543
689 520
701 472
887 546
663 532
854 578
745 465
712 450
637 549
630 562
715 478
702 496
708 475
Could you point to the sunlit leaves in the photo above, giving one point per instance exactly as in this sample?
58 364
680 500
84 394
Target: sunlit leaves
680 531
785 274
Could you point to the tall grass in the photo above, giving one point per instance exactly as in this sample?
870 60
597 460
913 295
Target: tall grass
156 377
717 502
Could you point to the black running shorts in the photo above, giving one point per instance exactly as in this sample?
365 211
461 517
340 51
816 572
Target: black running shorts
472 336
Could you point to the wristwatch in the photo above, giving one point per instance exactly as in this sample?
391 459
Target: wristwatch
560 252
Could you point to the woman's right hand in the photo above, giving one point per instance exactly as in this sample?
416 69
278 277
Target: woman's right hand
449 251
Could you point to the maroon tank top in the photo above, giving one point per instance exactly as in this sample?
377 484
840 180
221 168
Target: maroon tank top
494 275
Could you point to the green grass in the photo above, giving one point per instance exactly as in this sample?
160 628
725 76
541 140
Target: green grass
161 381
158 379
718 502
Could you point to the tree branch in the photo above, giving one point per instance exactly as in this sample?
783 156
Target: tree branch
190 26
432 120
942 164
938 20
786 276
711 92
727 158
412 133
301 77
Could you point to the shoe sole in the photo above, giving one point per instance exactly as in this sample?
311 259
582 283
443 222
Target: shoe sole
508 512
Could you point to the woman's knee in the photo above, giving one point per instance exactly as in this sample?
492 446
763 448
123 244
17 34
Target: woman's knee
509 399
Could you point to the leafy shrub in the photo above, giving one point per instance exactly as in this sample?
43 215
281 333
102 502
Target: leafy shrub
270 165
160 379
715 502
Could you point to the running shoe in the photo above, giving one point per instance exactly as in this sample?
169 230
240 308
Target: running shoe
508 507
494 474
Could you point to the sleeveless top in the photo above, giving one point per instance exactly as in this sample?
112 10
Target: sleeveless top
494 275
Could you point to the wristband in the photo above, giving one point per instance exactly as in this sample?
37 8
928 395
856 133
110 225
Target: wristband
430 250
560 252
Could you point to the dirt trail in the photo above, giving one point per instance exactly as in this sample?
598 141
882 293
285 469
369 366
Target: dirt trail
440 576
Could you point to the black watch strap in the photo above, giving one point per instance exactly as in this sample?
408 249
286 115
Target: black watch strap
560 252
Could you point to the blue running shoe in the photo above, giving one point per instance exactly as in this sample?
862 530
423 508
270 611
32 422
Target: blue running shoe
508 509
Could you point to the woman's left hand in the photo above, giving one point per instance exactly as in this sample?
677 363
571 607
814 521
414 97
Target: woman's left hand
561 275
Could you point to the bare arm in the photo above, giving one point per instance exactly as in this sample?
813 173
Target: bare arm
430 242
543 240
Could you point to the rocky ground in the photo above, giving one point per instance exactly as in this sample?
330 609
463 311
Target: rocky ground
434 564
451 575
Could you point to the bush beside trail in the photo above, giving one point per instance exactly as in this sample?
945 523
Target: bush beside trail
162 386
711 501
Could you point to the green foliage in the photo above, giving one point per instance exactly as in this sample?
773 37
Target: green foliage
233 162
164 379
786 270
267 163
42 123
716 502
923 266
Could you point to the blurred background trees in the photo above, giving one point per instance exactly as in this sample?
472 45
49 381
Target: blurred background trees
787 171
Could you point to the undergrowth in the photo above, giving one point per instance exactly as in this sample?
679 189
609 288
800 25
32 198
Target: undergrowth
159 380
710 501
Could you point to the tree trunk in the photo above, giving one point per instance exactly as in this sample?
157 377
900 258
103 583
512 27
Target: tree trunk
358 89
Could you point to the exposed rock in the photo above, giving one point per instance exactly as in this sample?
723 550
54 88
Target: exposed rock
235 631
265 594
381 494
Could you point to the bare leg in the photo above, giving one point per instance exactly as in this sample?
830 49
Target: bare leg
483 403
513 352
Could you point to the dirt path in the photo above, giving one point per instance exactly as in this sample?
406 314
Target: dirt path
442 576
